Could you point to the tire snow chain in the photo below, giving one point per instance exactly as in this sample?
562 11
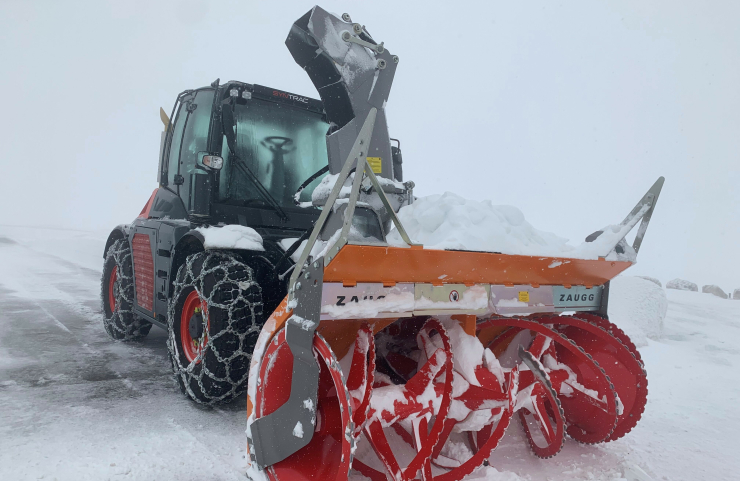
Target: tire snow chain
188 370
272 435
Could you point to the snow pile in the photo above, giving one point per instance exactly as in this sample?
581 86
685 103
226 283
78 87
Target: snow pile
322 191
714 290
638 307
651 279
449 221
231 237
736 294
682 285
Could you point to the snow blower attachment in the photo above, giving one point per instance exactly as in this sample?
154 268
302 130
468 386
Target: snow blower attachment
409 363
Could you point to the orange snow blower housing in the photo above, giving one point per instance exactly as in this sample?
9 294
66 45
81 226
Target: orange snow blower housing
402 362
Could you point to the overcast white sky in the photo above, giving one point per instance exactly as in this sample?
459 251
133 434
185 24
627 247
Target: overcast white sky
569 111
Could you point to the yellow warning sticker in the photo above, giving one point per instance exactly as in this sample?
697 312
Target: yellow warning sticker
376 163
523 296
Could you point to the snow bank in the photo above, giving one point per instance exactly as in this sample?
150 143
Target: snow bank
714 290
682 285
736 294
638 307
651 279
231 237
449 221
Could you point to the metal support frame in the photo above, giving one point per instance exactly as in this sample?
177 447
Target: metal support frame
357 159
272 435
650 198
642 210
362 139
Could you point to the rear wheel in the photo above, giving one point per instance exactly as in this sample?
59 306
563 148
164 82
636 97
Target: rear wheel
117 295
215 317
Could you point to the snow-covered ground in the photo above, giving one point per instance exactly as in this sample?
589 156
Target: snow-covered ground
75 405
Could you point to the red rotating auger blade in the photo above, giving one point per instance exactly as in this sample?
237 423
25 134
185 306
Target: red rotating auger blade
410 402
589 401
614 352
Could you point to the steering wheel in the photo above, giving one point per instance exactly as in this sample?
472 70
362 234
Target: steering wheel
276 143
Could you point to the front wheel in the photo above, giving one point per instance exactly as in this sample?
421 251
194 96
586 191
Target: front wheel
214 319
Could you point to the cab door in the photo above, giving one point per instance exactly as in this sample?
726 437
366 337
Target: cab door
194 144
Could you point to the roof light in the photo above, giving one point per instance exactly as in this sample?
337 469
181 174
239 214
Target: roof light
247 95
234 92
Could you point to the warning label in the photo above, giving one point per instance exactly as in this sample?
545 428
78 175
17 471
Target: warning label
523 296
376 163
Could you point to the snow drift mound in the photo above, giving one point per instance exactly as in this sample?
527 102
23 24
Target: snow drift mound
736 294
449 221
638 307
682 285
714 290
652 279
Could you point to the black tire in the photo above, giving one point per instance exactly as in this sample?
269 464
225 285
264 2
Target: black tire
120 321
232 320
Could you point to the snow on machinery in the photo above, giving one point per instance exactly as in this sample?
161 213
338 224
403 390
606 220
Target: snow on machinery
398 361
409 363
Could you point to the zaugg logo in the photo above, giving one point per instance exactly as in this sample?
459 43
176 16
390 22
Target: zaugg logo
577 297
285 95
340 299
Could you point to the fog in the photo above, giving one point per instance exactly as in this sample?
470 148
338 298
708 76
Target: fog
567 111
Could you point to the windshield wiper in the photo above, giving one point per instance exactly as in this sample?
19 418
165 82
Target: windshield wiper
228 123
305 183
260 188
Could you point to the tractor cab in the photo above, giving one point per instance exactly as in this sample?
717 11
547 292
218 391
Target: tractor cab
244 154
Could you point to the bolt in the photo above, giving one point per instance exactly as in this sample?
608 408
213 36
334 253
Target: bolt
345 36
307 275
381 64
315 265
297 286
346 17
357 28
395 59
380 48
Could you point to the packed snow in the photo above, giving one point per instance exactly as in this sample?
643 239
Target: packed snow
638 307
231 237
75 405
653 280
714 290
682 285
449 221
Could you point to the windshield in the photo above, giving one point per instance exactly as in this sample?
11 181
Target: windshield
283 146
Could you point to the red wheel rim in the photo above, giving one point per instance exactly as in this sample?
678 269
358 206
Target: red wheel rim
111 289
192 348
327 456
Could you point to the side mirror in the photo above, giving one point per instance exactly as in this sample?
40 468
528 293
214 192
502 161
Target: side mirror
214 162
